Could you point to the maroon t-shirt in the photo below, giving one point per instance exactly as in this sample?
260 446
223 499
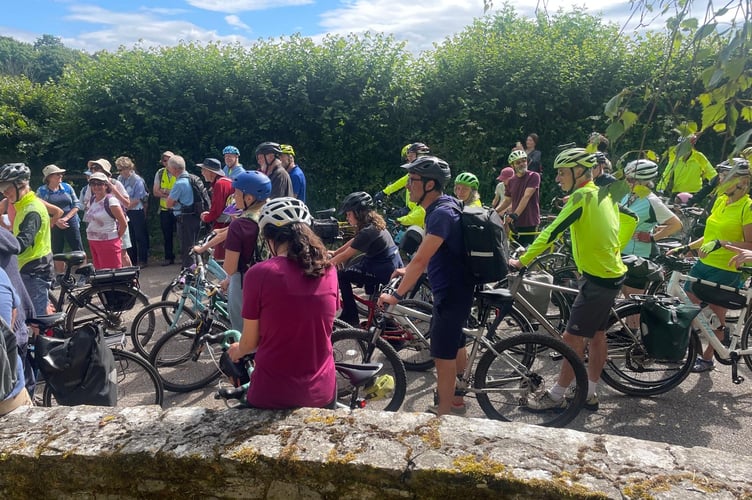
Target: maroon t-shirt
517 186
241 237
294 363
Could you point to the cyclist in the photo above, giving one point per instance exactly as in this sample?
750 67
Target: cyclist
297 177
594 227
686 174
601 170
523 197
267 156
251 192
466 189
31 226
501 188
412 214
232 167
381 255
441 249
221 194
163 182
289 303
729 224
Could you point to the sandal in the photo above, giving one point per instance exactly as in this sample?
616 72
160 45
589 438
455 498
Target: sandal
702 365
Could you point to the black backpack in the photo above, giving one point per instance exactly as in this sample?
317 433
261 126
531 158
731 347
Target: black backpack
486 258
201 199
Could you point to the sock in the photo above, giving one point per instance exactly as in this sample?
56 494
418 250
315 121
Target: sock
557 392
591 388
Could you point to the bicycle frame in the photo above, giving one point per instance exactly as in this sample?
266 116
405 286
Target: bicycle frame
701 322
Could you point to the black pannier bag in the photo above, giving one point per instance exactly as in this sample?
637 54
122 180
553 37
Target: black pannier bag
116 300
665 326
80 369
714 294
326 229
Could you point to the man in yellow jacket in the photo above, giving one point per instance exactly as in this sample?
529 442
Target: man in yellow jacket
415 214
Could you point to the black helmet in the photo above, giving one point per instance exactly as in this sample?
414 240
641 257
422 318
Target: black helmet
268 147
15 173
353 202
419 149
430 167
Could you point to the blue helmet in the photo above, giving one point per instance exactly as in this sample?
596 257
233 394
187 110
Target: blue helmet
254 183
231 150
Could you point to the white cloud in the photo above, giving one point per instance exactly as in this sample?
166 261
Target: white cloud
130 28
234 6
235 21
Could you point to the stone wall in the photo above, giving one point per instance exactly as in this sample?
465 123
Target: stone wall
197 453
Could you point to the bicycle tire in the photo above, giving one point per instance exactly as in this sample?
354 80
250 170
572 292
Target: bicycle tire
355 346
138 382
173 357
341 325
154 321
503 391
90 305
745 343
629 368
414 348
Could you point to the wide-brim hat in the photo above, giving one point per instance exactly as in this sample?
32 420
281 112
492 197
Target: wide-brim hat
99 176
106 166
51 169
212 165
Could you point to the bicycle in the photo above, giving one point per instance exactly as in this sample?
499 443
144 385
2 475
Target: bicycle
137 381
105 296
162 317
214 272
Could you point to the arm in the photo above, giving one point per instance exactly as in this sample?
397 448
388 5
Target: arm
343 256
230 265
122 222
157 190
669 227
119 192
28 229
396 185
524 201
415 217
504 204
55 212
248 342
415 268
220 235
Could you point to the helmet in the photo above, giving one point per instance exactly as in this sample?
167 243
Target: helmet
467 179
574 157
641 170
404 150
515 155
14 172
739 167
283 211
430 167
287 149
724 166
254 183
231 150
267 147
600 158
747 153
353 202
418 148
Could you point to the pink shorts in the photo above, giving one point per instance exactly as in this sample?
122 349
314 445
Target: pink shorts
106 254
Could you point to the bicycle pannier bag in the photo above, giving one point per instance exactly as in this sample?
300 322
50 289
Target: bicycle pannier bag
665 327
116 300
718 296
326 229
80 369
486 245
538 296
640 271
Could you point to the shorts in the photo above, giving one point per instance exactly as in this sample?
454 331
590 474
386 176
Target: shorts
451 308
591 308
714 274
126 241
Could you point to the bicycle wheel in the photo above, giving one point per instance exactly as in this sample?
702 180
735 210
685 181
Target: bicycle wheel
113 305
183 363
154 321
629 368
138 382
412 342
745 342
174 290
519 367
354 346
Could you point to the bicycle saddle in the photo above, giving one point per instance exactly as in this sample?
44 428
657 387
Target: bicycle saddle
496 297
358 374
70 258
46 321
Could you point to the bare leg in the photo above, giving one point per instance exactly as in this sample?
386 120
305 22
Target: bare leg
461 364
446 373
567 373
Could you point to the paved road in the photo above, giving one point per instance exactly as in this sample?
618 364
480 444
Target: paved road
706 410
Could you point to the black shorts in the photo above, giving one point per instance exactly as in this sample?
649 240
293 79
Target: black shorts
591 308
451 309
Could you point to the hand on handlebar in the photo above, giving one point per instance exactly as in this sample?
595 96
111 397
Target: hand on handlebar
386 299
515 263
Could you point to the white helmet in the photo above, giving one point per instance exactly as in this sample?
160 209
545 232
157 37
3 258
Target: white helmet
282 211
641 170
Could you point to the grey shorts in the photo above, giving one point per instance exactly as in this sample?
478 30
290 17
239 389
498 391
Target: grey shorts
591 308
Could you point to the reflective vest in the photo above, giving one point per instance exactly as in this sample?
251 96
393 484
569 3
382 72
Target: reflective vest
166 181
42 246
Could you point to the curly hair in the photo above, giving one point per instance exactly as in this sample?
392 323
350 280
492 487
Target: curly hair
366 217
304 247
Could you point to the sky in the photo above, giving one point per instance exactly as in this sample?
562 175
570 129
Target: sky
107 24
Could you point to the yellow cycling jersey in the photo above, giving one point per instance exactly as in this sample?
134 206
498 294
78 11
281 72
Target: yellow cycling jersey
726 222
417 215
685 176
42 246
595 234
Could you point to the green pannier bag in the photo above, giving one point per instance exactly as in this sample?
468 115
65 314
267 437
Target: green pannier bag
665 324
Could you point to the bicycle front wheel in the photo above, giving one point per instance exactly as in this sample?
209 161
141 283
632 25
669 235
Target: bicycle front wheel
138 383
154 321
112 305
184 364
521 367
630 369
355 346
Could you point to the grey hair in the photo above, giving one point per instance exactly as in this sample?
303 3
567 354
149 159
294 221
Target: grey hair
176 161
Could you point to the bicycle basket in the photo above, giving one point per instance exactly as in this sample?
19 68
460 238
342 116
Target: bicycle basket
326 229
665 327
714 294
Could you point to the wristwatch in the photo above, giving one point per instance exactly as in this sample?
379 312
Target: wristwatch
396 295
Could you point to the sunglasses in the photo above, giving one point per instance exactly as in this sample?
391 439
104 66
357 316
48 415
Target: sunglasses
97 183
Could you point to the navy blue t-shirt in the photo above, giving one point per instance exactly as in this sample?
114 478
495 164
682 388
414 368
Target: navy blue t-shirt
445 267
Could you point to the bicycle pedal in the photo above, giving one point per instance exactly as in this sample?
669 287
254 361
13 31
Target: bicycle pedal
555 356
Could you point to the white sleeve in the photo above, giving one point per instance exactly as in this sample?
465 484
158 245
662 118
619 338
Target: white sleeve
662 212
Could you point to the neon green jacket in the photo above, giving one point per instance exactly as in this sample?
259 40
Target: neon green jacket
685 176
42 244
417 215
